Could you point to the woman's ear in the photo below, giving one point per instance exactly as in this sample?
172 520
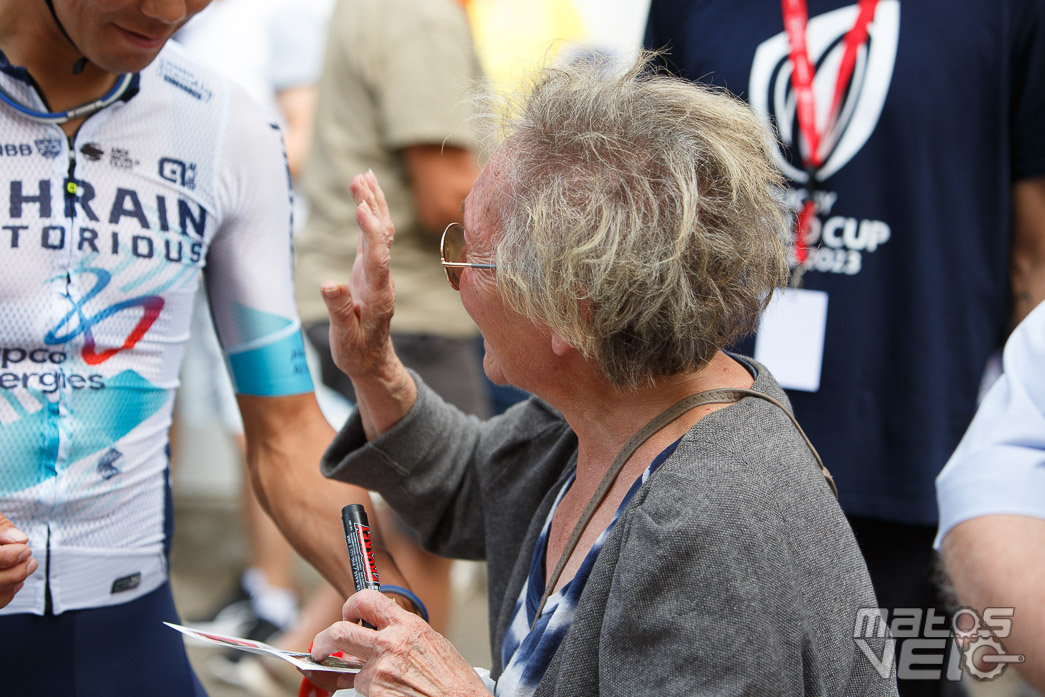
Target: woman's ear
559 345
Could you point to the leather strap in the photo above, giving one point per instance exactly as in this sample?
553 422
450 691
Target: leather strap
721 396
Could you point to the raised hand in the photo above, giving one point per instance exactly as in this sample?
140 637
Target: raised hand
361 312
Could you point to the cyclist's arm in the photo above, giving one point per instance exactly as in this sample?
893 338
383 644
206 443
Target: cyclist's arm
286 437
250 288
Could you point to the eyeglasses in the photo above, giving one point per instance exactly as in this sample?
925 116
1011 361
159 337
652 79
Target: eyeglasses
453 253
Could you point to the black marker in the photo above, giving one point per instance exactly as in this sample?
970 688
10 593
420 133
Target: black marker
360 549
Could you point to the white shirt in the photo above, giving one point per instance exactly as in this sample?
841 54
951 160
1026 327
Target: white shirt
999 466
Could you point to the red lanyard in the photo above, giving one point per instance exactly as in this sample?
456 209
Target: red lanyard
796 17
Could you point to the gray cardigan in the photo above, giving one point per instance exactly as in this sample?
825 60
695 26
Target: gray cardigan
732 571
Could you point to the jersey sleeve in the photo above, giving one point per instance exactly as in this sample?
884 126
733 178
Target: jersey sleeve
249 275
999 466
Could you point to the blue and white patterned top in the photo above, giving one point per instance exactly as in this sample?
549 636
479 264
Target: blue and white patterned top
527 653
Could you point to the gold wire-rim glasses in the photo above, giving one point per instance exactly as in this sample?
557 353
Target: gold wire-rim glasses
452 250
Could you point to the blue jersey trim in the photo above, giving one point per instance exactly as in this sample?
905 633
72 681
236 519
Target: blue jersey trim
273 370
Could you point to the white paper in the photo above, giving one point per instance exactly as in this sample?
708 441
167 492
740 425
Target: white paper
302 661
790 339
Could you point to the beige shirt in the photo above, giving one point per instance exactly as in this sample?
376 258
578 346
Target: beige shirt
397 73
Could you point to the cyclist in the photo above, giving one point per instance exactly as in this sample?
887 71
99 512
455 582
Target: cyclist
129 171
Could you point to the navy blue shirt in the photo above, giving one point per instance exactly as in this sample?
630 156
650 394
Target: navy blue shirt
945 111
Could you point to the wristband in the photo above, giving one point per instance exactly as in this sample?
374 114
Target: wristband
409 595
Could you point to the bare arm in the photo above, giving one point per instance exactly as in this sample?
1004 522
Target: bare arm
298 105
440 179
999 561
1027 266
286 437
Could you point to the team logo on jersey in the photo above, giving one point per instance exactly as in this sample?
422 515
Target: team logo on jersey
772 96
79 320
185 80
49 147
107 468
120 158
92 151
178 172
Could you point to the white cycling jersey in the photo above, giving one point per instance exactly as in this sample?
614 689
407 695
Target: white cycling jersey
102 242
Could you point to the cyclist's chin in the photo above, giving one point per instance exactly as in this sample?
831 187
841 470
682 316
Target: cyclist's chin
125 62
127 52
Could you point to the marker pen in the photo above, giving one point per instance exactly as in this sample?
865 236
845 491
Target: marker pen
360 549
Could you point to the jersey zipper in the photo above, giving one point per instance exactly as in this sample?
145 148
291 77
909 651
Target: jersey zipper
54 409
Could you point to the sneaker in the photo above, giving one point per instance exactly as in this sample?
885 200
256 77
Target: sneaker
234 617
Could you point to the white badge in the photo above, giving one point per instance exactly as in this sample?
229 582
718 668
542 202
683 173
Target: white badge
790 340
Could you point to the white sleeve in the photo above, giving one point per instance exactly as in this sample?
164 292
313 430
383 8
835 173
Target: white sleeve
249 264
999 466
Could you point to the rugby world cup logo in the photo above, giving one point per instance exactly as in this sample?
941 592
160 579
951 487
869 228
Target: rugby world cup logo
772 96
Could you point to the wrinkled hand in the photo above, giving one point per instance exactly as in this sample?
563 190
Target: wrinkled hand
16 562
360 313
403 656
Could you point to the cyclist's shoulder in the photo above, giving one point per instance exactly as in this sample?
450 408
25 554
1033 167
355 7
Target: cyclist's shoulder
192 89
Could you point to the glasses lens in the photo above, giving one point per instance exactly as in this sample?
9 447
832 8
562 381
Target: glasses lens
453 275
453 251
453 244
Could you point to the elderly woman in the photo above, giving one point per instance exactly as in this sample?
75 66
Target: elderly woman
653 519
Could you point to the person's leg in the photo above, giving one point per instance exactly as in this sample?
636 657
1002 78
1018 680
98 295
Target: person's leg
451 367
117 650
901 561
322 610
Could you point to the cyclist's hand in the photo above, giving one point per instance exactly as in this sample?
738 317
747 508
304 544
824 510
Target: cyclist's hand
16 561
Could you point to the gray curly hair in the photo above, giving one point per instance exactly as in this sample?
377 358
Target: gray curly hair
642 218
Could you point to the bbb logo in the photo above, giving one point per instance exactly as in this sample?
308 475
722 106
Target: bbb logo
178 172
15 149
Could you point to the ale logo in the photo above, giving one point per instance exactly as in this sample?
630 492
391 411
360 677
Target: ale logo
772 96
